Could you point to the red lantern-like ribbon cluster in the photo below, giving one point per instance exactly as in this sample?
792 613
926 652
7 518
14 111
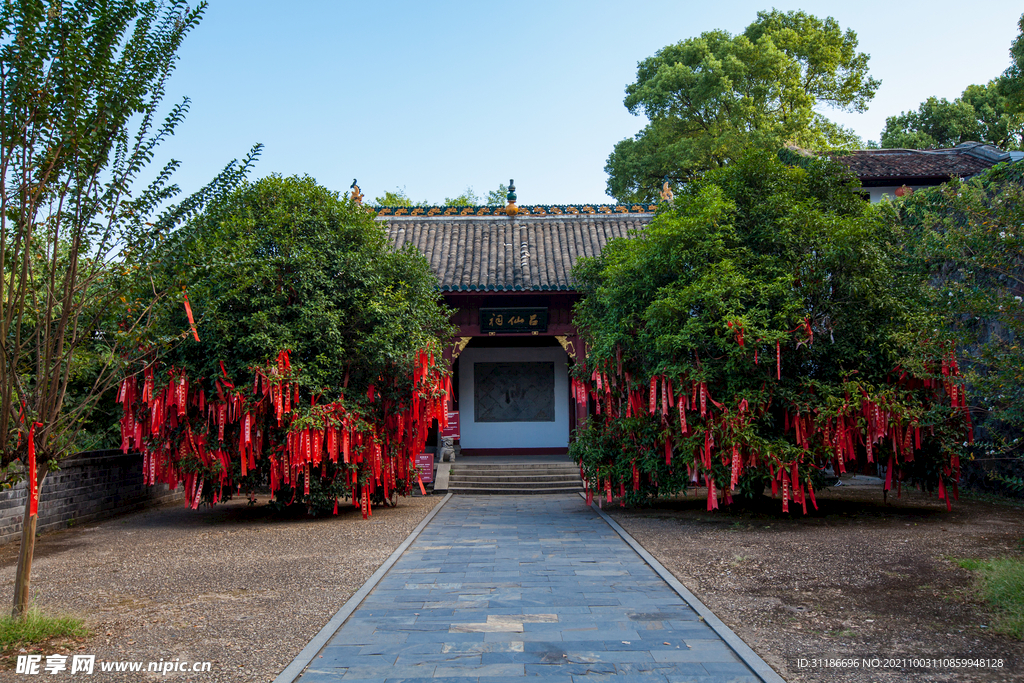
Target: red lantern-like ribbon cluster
185 436
614 394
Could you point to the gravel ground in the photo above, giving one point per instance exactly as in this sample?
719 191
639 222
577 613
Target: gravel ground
858 579
233 585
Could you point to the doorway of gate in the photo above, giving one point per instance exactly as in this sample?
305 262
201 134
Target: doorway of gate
513 400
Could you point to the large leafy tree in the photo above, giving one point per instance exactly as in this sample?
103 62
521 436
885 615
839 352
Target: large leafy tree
709 99
981 114
992 113
81 91
759 329
1012 81
313 365
967 238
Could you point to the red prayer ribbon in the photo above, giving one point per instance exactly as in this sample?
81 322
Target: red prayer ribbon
188 312
33 484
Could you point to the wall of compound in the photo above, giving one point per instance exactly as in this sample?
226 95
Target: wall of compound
88 487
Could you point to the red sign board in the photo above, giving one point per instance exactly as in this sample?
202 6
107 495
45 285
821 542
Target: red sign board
425 467
453 425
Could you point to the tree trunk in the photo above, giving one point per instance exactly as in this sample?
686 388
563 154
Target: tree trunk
28 548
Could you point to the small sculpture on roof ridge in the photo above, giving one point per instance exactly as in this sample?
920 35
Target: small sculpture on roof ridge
511 209
666 192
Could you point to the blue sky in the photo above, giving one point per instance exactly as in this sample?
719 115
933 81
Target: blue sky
435 97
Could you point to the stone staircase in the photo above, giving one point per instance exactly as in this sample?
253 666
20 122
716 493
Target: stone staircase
484 476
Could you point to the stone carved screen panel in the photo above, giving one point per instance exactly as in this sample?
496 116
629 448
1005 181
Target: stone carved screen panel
514 392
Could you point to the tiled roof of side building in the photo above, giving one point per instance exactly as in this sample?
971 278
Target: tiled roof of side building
500 254
965 159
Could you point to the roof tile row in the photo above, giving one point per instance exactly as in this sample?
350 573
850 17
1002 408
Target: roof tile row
535 254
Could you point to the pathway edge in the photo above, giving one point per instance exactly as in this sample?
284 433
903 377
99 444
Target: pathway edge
742 650
313 647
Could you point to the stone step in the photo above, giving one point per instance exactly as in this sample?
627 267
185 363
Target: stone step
522 478
515 490
461 467
496 478
554 483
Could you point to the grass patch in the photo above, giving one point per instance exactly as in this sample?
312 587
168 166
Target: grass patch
969 564
1001 584
38 628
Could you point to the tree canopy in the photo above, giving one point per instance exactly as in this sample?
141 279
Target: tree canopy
981 114
992 113
1012 81
467 198
397 198
498 197
315 349
966 238
760 329
81 116
711 98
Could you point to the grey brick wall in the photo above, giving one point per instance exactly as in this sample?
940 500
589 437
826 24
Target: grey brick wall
89 486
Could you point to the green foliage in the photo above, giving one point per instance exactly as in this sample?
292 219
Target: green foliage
750 256
981 114
968 241
81 116
1012 82
397 198
36 627
1001 584
283 263
467 198
711 98
498 197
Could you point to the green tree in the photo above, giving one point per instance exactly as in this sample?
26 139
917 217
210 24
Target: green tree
81 88
467 198
968 241
498 197
709 99
283 264
981 114
770 311
1012 82
398 198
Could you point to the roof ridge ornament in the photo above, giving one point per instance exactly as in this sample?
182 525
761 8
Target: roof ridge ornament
666 192
511 209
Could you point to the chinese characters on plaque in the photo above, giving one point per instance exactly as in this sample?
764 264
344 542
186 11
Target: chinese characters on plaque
510 320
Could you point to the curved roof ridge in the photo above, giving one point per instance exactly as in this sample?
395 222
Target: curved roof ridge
533 210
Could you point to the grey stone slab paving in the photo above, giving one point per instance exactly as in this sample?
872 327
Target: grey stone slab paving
524 587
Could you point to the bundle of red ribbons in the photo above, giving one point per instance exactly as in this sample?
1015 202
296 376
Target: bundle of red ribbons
612 394
186 436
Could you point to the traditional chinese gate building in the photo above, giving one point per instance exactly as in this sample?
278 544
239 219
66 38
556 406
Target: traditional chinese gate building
508 279
506 272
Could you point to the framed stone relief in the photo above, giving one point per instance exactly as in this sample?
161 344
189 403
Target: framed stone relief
514 392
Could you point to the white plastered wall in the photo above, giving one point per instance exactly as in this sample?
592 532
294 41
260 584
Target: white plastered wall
513 434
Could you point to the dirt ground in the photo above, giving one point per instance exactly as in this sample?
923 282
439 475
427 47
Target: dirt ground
236 586
859 579
245 589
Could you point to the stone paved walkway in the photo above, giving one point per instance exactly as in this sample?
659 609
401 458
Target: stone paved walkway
497 588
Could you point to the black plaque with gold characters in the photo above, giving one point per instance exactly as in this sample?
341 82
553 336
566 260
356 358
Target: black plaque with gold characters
509 320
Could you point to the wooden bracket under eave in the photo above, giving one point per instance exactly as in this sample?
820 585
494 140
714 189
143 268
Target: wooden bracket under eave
570 349
459 346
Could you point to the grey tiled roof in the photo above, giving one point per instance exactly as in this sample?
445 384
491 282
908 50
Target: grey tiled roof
897 165
492 253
